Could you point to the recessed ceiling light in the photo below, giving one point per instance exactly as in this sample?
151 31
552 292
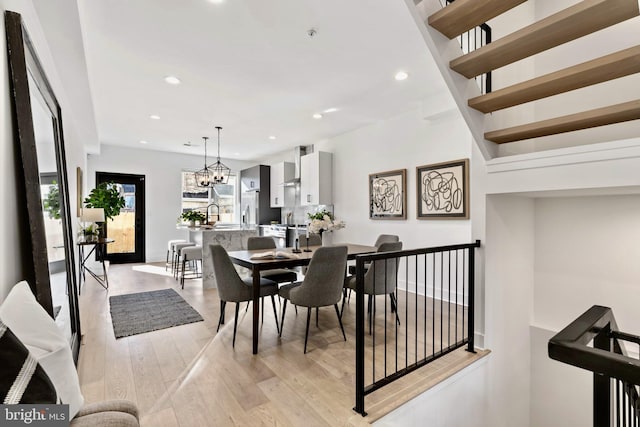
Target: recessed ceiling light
272 137
172 80
330 110
143 141
401 75
236 154
317 116
154 117
216 1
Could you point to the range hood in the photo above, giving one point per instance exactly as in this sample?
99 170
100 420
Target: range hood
298 152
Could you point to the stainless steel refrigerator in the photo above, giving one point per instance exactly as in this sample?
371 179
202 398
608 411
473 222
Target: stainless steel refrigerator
255 206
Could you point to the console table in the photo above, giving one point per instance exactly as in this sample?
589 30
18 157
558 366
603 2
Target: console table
99 246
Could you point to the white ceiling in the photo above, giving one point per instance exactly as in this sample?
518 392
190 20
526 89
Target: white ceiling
250 67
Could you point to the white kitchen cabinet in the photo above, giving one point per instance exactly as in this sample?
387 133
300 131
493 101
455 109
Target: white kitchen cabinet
280 173
316 172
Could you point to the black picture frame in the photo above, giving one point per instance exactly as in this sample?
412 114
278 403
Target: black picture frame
443 190
27 78
388 195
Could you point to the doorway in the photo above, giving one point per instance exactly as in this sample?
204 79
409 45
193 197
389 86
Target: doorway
128 228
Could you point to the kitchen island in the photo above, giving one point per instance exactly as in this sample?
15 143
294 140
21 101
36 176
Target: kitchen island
232 237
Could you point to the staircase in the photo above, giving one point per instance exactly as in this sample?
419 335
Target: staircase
581 19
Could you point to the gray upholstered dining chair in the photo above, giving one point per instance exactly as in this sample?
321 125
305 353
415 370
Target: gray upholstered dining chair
279 275
380 279
321 287
314 240
382 238
231 288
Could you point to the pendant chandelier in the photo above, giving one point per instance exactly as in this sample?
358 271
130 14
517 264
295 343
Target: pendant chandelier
216 173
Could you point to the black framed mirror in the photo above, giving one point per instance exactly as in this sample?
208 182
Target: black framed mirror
37 120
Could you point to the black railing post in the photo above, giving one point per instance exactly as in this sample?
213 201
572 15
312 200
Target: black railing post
602 384
360 315
471 310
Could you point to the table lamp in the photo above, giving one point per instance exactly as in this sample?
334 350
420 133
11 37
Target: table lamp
92 215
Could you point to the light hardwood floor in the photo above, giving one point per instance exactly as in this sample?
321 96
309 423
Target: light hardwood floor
190 376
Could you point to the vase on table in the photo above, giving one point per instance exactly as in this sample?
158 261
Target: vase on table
326 238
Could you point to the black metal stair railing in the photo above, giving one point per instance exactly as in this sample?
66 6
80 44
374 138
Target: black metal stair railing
616 376
472 40
424 309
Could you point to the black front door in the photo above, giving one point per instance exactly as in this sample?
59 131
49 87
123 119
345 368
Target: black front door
127 229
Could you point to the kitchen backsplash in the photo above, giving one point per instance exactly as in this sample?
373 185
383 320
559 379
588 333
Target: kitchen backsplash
298 213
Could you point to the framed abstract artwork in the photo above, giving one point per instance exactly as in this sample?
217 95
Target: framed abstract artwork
388 195
443 190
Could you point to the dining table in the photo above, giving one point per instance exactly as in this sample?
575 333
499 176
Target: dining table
287 259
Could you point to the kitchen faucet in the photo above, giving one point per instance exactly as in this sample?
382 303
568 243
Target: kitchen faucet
217 214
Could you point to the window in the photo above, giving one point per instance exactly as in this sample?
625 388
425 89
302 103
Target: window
224 195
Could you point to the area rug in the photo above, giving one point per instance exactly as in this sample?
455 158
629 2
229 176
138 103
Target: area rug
142 312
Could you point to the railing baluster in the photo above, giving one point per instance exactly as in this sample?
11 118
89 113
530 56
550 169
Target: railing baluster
416 315
372 323
433 308
426 291
360 392
441 298
449 301
457 297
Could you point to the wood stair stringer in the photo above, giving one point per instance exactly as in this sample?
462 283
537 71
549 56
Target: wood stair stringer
599 70
576 21
443 50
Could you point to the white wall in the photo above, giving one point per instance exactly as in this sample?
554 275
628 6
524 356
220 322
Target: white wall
561 395
586 253
509 249
441 405
405 141
16 259
162 172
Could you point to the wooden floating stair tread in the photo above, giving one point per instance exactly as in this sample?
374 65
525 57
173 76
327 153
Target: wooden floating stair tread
588 119
584 18
463 15
609 67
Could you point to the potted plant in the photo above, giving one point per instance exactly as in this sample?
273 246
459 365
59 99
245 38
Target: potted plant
108 197
52 201
91 231
192 216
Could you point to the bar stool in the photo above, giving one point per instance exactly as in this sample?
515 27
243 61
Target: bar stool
191 254
171 248
176 258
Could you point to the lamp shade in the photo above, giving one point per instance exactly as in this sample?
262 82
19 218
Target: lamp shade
92 215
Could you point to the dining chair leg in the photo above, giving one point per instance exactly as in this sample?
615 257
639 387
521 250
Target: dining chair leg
394 306
306 334
166 264
284 310
184 262
340 321
275 313
343 300
371 309
295 307
262 312
235 325
221 319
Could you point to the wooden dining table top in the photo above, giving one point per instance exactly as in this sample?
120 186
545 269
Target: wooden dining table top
243 257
